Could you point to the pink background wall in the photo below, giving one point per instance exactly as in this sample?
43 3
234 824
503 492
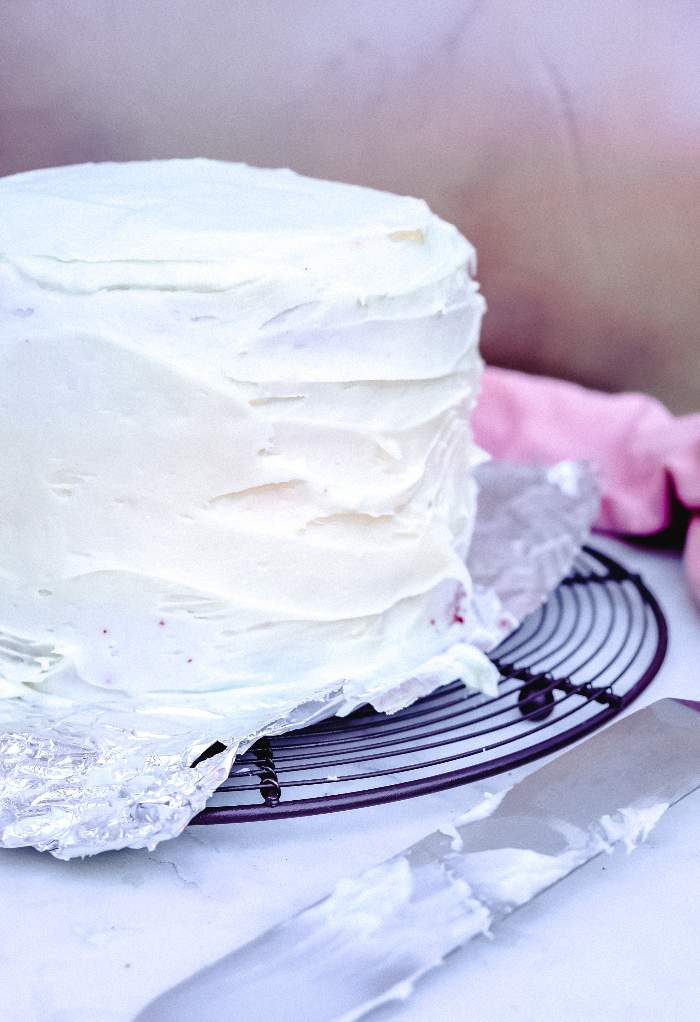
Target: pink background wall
562 137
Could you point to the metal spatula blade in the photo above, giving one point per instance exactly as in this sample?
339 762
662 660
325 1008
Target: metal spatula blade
374 935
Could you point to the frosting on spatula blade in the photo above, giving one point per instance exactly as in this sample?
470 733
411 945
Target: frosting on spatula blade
375 935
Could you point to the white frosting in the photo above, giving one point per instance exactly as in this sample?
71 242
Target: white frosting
632 824
234 464
376 934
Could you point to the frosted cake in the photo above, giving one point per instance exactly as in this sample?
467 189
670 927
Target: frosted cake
236 457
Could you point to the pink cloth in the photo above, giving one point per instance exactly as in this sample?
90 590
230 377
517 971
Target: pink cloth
641 450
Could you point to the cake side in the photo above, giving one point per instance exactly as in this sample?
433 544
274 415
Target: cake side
236 466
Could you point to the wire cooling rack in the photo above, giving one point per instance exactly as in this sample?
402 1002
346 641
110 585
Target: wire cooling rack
571 666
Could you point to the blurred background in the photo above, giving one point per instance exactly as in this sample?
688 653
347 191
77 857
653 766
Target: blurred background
561 136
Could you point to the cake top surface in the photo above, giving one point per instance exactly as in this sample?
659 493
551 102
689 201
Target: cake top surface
89 227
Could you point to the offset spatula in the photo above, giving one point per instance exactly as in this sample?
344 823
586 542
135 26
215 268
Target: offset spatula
370 939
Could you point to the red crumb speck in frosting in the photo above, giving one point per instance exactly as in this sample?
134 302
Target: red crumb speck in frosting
457 618
432 620
104 631
189 661
161 622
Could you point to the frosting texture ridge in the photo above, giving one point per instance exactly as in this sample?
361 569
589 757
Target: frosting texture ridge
234 410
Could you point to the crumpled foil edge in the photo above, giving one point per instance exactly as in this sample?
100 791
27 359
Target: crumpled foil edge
77 779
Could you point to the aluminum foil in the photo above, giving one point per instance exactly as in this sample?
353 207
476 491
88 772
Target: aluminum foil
530 524
80 778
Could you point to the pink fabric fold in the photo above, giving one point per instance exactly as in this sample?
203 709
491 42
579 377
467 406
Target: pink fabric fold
642 452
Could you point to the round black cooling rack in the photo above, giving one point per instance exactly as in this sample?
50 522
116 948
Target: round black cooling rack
570 666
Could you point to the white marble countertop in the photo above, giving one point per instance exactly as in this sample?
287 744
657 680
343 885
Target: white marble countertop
94 940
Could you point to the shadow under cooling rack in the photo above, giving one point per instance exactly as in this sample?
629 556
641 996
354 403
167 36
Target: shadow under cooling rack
571 666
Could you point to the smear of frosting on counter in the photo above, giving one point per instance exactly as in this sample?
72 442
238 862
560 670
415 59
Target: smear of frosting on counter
236 451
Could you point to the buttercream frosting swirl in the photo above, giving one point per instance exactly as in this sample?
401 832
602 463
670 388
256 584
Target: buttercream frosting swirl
234 410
